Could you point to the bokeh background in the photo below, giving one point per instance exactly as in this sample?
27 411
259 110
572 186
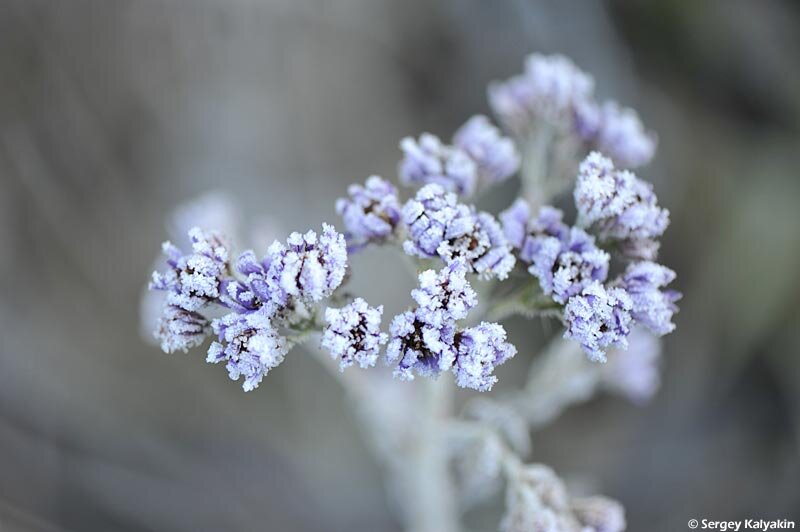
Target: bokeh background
112 112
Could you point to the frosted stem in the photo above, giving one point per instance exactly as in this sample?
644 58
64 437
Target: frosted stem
430 491
535 166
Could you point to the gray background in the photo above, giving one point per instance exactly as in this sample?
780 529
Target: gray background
113 112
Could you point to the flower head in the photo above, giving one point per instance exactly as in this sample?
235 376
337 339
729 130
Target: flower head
480 350
193 280
599 318
652 306
566 266
371 213
496 156
422 341
621 135
179 329
309 267
634 372
249 344
353 334
619 205
430 161
550 89
440 226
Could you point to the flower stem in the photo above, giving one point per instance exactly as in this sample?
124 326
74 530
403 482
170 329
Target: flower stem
430 491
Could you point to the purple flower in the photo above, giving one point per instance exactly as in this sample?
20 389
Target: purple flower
564 259
524 233
422 341
419 347
550 89
578 263
652 307
353 334
599 318
308 268
445 295
179 329
430 161
496 156
480 350
619 206
249 344
440 226
193 280
634 372
621 135
372 212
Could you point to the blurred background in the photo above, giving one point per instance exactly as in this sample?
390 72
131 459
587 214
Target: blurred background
112 112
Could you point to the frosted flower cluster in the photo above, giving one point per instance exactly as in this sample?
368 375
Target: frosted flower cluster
622 207
598 318
193 280
564 259
553 92
440 226
261 296
371 212
479 157
353 334
495 156
550 89
537 500
528 260
426 341
429 160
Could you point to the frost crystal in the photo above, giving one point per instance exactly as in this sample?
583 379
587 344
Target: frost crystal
550 89
440 226
308 268
430 161
422 341
496 156
249 344
372 212
353 334
652 307
620 206
480 350
193 280
179 329
599 318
